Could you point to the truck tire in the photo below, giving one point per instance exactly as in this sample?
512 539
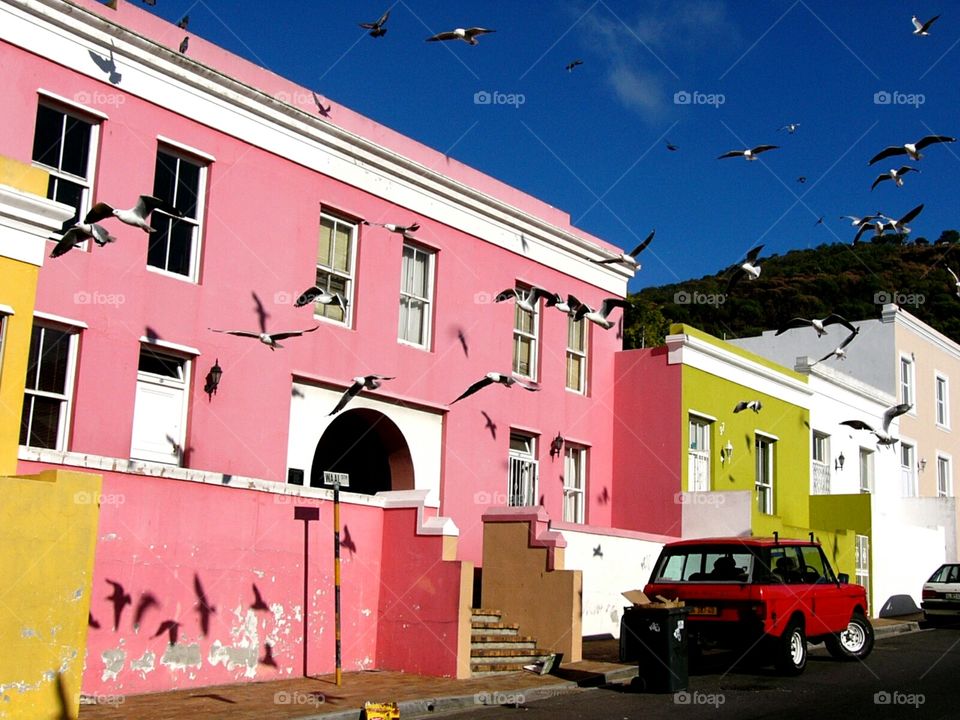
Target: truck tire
790 650
854 643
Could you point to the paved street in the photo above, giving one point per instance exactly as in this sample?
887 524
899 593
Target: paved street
907 676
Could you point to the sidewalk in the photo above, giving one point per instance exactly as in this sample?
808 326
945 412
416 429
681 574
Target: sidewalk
418 696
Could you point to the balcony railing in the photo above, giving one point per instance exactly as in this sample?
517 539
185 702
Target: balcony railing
698 471
819 478
522 482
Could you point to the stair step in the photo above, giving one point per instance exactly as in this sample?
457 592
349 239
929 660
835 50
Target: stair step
477 670
493 626
503 645
512 640
486 611
486 616
507 655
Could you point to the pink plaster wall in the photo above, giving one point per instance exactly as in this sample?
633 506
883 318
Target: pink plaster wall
259 237
647 442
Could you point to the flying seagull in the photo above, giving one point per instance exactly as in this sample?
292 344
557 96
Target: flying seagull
568 306
877 223
671 147
468 35
268 339
377 28
895 174
956 282
749 153
528 299
600 317
494 377
136 216
572 65
819 325
630 258
184 44
911 149
802 179
839 352
399 229
900 226
184 22
858 221
316 294
754 405
370 382
77 234
883 435
324 111
922 29
749 268
789 127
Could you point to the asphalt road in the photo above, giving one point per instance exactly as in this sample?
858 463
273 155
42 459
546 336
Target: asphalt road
915 675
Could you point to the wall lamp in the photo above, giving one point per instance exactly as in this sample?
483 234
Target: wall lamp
726 452
838 463
922 465
556 445
213 379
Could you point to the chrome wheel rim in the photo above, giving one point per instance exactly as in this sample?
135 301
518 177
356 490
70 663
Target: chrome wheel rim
796 649
853 638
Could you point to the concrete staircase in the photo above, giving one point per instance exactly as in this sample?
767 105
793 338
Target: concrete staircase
498 647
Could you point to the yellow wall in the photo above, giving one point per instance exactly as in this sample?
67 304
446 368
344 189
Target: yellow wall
48 532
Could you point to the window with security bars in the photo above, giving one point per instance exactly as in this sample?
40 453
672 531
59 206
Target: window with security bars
64 144
523 469
574 484
577 355
336 246
525 330
416 291
765 480
174 247
46 400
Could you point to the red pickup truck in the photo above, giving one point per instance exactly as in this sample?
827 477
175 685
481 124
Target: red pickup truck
767 594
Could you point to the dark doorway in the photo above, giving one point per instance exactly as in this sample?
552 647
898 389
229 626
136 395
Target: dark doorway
368 446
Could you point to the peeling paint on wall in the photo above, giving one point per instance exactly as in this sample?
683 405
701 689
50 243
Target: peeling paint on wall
112 663
181 657
244 652
145 664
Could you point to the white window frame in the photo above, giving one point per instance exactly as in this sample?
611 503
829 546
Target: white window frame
349 277
5 312
201 160
944 475
579 353
87 181
908 382
426 303
519 335
941 404
908 471
866 458
574 483
820 470
765 483
65 398
181 385
519 463
862 562
699 454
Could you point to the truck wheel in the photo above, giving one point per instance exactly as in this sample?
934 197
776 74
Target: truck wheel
790 652
854 643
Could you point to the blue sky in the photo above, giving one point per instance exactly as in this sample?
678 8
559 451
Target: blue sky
592 141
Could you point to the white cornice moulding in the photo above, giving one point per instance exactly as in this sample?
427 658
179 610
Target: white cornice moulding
157 342
65 33
919 328
32 219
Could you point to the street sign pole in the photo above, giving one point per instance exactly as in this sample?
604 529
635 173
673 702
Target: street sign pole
336 479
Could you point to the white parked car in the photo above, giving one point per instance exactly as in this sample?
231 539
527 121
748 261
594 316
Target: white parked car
941 593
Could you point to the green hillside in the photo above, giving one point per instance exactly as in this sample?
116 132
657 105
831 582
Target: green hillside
853 281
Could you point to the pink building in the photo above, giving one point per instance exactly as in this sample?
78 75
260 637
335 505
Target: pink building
200 487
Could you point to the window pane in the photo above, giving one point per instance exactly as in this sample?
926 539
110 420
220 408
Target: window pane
181 247
574 366
165 177
411 320
341 257
575 334
157 364
324 245
157 247
53 361
523 320
47 135
522 355
76 146
188 187
45 421
69 193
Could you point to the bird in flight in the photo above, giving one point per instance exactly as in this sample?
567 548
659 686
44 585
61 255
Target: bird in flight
956 282
671 147
754 405
819 325
268 339
895 174
392 227
922 29
494 377
572 65
630 258
789 127
912 150
600 317
369 382
839 352
883 435
316 294
527 299
749 153
77 234
377 28
749 268
900 226
135 216
468 35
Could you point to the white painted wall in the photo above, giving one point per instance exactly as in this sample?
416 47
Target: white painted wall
624 562
717 514
422 430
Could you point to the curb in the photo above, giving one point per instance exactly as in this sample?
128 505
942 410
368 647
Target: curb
898 629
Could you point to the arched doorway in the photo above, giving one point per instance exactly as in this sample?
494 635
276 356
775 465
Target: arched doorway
368 446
